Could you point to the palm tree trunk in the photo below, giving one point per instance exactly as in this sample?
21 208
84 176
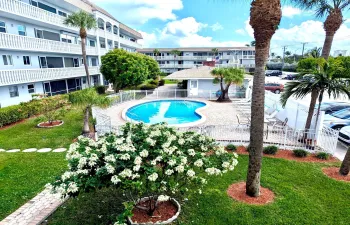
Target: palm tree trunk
83 47
345 166
257 123
86 128
320 98
314 96
326 50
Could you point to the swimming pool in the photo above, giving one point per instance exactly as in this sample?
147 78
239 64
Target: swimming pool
172 112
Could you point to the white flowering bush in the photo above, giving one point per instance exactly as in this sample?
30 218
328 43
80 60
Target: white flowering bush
153 161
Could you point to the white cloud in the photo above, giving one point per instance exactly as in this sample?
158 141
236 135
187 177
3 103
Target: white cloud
183 33
217 26
137 12
289 11
240 31
249 28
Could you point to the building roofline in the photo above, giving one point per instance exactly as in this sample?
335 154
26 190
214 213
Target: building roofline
196 49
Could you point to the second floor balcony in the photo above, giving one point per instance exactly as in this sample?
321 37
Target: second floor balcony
25 43
128 43
21 76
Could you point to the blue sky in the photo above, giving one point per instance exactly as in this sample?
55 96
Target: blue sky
216 23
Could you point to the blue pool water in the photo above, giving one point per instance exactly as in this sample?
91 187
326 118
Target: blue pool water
170 111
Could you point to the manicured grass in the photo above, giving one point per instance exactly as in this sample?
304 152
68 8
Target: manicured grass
27 135
303 196
23 175
169 81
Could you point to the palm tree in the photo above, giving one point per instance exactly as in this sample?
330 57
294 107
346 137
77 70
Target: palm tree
85 99
345 166
273 54
288 53
265 17
247 45
333 9
84 21
215 51
315 52
156 52
252 43
227 76
175 53
323 80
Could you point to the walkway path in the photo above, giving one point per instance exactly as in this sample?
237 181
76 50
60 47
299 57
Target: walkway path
42 150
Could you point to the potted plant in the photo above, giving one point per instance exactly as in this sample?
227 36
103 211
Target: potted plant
150 165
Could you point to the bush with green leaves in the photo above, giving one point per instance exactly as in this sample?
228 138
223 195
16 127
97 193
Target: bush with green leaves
148 87
161 82
154 82
153 161
270 150
101 89
301 153
231 147
322 155
24 110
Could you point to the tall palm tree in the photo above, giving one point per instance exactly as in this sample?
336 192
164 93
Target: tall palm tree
175 53
226 77
252 43
323 80
333 9
84 21
265 17
315 52
215 51
156 52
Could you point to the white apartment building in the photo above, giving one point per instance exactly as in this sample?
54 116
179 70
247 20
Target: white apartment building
39 54
192 57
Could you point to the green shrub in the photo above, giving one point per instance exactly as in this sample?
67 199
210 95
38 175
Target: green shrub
154 82
300 153
270 150
322 155
148 87
101 89
161 82
231 147
24 110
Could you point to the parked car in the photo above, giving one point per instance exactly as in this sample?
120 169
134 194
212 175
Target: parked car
332 107
274 87
338 119
291 76
344 134
270 73
307 77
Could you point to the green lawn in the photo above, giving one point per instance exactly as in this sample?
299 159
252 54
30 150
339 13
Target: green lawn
23 175
303 196
27 135
169 81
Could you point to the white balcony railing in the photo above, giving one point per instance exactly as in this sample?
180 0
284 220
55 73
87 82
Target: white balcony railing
199 58
17 42
20 76
129 43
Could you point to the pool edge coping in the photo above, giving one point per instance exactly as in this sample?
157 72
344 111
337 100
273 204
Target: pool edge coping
191 124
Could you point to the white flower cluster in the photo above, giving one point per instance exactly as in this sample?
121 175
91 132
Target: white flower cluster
163 198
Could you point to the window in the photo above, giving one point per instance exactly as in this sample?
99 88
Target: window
75 62
7 60
22 30
2 27
46 7
82 61
115 30
43 62
62 13
109 27
103 44
92 43
93 62
26 60
31 88
13 91
39 34
67 38
101 24
34 3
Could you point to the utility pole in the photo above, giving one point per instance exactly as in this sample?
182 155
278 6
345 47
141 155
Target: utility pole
284 51
302 54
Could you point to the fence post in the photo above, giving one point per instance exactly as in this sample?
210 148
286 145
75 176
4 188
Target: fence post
157 94
209 94
121 97
296 117
285 138
175 93
146 93
134 95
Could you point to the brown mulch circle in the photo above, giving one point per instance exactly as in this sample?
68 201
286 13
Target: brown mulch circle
333 172
54 123
164 211
237 192
288 154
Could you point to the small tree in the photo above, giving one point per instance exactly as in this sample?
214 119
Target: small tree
156 52
152 66
84 21
226 77
154 161
124 69
85 99
215 51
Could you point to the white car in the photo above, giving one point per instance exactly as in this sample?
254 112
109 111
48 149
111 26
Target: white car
344 134
338 119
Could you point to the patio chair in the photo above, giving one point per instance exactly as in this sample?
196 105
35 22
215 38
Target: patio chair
241 123
280 126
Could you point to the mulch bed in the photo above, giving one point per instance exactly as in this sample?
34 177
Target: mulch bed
333 172
54 123
237 192
164 211
288 154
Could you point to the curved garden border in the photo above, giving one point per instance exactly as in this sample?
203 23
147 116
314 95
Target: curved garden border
196 123
39 125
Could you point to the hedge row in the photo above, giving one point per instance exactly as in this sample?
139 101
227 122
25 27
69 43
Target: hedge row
15 113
